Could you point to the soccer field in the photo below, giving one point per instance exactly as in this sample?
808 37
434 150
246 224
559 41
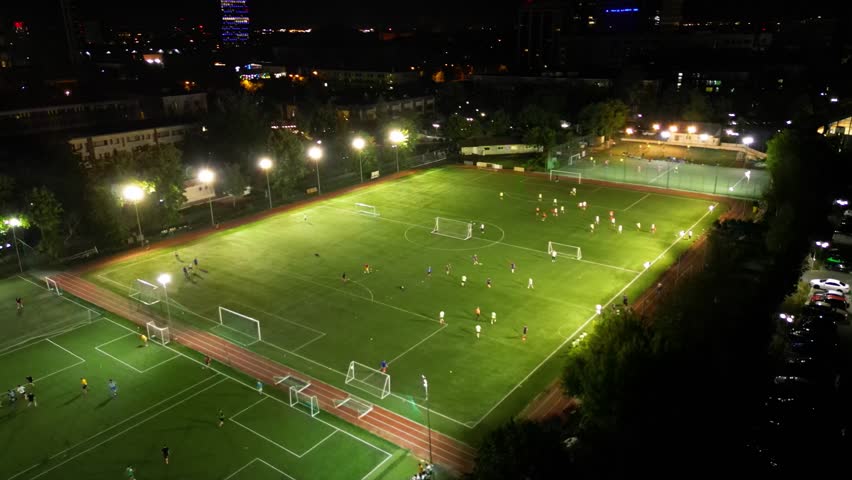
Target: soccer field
164 398
286 272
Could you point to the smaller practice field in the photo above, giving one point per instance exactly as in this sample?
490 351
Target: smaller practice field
164 397
657 150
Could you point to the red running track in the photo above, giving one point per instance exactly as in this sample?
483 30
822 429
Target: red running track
447 452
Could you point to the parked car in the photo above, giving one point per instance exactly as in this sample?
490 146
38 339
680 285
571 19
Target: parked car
829 284
836 301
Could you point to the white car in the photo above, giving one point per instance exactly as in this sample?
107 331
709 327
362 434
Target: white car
830 284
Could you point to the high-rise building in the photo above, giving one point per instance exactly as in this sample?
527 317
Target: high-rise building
541 26
235 22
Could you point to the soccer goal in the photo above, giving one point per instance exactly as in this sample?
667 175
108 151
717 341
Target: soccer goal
52 285
144 292
453 228
157 334
298 397
559 175
240 323
365 209
569 251
368 379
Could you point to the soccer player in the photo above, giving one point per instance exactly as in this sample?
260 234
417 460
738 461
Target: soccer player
429 271
84 384
539 197
206 362
482 228
475 259
653 228
689 234
553 254
612 221
488 282
129 473
305 218
555 202
501 195
611 214
477 312
620 228
574 191
366 268
555 212
29 380
165 451
448 268
597 219
493 318
12 396
113 388
562 209
512 267
22 392
19 303
441 317
144 339
624 300
195 261
638 226
221 418
537 211
585 206
185 272
530 284
259 386
343 277
524 334
464 280
543 216
592 227
383 367
478 330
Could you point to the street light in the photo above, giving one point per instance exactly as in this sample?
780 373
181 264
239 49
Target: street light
628 131
315 154
206 176
691 129
358 144
133 193
673 128
164 279
665 135
748 141
16 222
265 164
428 416
655 126
397 137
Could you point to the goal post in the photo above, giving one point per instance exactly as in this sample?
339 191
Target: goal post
365 209
558 175
157 334
368 379
240 323
457 229
145 292
52 285
561 249
300 398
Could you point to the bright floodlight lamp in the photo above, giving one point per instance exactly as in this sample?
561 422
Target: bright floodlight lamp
14 222
748 141
691 129
396 136
134 193
703 137
359 143
206 175
628 131
265 163
564 125
315 154
164 279
673 128
655 126
665 135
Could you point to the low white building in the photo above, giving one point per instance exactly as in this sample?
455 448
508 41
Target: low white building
196 191
497 146
94 147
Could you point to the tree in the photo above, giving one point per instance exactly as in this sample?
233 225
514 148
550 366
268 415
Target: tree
236 127
697 108
7 191
459 128
498 124
534 116
234 181
543 137
323 122
522 450
604 118
162 166
45 212
288 155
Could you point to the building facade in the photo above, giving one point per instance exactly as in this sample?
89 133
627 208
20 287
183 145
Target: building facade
372 111
95 147
235 22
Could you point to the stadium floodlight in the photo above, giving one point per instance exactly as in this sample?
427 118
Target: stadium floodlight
358 144
665 135
15 222
673 128
164 279
206 176
566 125
133 193
315 154
656 127
628 131
748 141
397 137
691 129
265 164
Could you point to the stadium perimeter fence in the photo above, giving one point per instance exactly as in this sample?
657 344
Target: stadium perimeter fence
673 175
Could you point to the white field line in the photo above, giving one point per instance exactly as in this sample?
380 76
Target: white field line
581 327
308 343
660 175
417 344
236 341
81 361
318 443
120 361
247 408
129 428
637 201
279 471
375 468
253 389
68 351
281 318
6 352
229 477
23 472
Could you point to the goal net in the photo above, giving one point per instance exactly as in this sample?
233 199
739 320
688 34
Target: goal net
52 285
563 250
558 175
144 292
299 398
240 323
158 334
453 228
368 379
365 209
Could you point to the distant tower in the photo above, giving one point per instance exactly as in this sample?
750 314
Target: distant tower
235 22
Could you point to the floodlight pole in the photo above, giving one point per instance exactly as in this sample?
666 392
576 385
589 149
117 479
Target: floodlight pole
268 189
428 419
17 253
138 223
319 185
168 309
360 165
212 220
396 148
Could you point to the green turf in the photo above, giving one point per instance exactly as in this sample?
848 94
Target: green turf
164 397
286 273
659 150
